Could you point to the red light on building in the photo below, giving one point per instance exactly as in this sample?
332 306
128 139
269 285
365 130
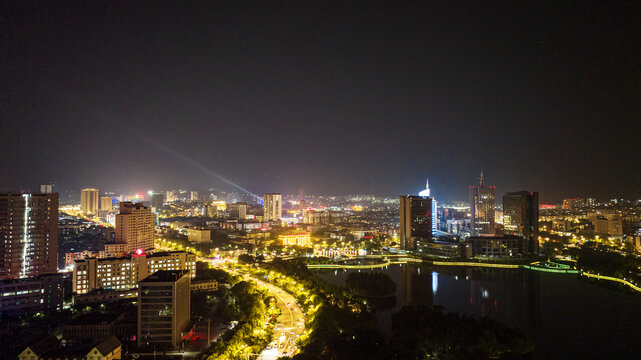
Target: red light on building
139 252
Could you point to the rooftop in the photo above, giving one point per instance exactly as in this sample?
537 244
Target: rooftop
33 278
95 319
152 255
165 276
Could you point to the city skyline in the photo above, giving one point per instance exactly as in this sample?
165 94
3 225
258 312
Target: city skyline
330 99
116 192
377 180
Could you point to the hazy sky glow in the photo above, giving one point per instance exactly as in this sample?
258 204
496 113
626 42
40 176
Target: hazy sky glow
354 97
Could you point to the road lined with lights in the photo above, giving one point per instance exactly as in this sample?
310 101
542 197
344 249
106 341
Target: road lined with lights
290 324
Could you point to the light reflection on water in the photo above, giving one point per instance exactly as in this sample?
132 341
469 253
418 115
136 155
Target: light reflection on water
564 316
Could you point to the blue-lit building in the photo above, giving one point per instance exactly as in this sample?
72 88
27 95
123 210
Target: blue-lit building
426 193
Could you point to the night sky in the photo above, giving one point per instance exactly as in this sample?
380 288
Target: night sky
350 97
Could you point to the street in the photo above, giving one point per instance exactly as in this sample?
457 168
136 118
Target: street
290 324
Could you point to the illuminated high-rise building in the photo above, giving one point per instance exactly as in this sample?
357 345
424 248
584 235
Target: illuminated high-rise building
482 209
521 217
106 203
426 193
89 201
135 226
194 195
273 206
28 234
416 220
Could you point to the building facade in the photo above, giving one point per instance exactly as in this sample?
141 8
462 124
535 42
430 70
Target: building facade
157 200
237 211
89 200
29 233
521 217
497 246
135 225
171 196
163 308
273 206
482 209
125 273
39 293
106 203
428 193
606 223
416 220
302 239
199 235
71 257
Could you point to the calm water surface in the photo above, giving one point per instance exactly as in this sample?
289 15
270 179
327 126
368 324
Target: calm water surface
566 317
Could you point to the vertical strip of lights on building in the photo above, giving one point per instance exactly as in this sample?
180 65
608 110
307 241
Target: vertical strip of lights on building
25 234
434 282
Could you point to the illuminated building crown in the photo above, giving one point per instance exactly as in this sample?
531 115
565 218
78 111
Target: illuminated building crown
425 192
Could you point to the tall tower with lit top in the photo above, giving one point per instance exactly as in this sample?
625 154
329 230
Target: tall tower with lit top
482 208
426 193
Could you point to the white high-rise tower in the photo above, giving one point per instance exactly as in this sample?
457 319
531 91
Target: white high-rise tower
426 193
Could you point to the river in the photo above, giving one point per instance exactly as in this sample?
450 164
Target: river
565 316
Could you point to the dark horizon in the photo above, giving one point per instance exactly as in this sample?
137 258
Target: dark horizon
354 98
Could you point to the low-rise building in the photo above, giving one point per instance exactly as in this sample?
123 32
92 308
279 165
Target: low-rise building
101 296
237 211
40 293
93 328
204 285
50 348
442 249
199 235
300 239
71 257
125 272
607 224
114 249
497 246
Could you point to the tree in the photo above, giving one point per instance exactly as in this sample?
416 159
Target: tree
246 259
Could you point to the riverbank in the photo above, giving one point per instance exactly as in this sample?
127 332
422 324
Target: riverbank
545 266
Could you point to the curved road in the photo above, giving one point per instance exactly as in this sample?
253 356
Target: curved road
289 326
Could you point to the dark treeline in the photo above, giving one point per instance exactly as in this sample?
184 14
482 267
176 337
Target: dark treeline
605 260
428 332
